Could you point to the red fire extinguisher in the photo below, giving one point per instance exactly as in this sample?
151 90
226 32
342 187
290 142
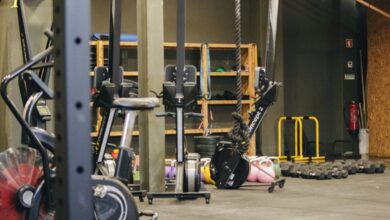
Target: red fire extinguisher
353 113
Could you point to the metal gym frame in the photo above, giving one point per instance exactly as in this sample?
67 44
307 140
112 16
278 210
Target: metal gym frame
72 127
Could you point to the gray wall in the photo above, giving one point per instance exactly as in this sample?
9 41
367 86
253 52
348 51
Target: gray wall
38 13
207 21
314 56
313 81
267 135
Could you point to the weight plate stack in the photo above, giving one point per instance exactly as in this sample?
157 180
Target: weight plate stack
205 145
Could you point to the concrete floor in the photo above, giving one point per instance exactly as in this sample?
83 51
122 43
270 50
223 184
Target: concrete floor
359 196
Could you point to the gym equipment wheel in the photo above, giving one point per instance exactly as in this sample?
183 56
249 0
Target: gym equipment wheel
281 184
271 188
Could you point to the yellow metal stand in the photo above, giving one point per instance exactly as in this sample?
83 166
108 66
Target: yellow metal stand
297 125
298 139
317 124
300 158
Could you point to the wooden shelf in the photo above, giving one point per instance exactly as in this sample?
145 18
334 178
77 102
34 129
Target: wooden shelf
115 133
220 130
214 74
186 131
130 73
187 45
136 133
126 73
249 53
224 102
226 74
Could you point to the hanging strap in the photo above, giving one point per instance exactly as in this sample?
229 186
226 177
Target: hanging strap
205 46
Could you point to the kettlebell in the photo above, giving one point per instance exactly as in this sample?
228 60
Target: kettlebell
202 173
203 162
277 168
168 168
167 171
266 172
254 164
207 174
173 169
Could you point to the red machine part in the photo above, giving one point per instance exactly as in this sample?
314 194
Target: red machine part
18 167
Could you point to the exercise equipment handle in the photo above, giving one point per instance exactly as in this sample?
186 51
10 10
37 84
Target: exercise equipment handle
49 34
166 114
193 114
49 94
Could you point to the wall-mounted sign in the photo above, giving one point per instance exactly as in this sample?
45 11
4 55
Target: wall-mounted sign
349 64
349 76
349 43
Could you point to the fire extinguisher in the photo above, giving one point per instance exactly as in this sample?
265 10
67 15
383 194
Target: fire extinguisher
353 117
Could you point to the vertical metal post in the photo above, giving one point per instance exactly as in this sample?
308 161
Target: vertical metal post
24 35
114 47
73 147
180 50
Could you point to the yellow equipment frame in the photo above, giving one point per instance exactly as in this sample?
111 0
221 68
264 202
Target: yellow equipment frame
298 139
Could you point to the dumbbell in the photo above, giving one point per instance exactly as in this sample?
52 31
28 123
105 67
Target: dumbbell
296 170
285 168
342 168
170 168
307 172
327 173
369 167
353 166
380 167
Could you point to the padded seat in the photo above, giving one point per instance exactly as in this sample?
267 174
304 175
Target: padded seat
136 103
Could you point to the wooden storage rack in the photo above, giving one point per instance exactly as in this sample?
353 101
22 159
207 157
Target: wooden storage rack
249 55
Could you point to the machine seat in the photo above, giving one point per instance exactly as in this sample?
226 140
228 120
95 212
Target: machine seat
136 103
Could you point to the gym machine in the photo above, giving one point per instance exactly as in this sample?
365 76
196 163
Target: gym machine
33 172
112 88
36 111
28 174
180 91
230 166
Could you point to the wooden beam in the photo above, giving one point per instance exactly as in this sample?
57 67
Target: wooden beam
374 8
